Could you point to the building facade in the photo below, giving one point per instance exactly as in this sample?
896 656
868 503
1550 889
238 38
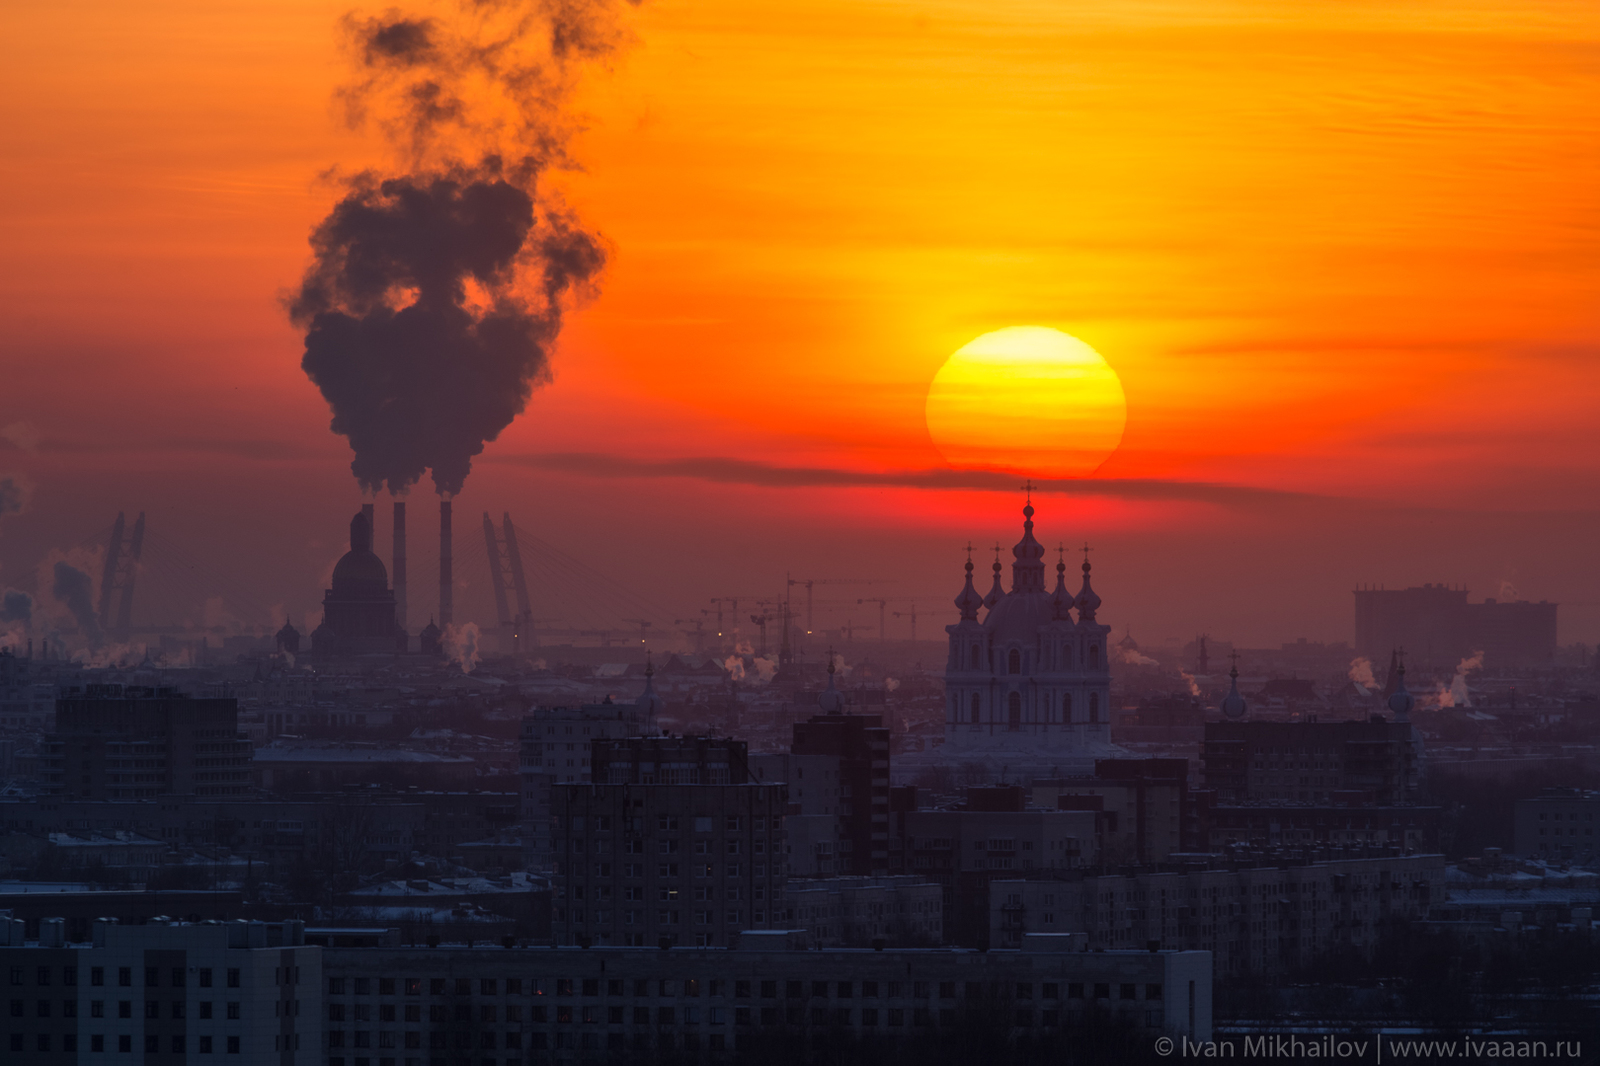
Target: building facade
1557 824
247 992
1438 628
1310 762
860 744
432 1007
1264 919
125 743
643 865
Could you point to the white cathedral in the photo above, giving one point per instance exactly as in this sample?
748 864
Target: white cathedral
1027 688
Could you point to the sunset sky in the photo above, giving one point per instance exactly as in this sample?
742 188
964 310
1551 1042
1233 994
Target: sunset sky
1344 257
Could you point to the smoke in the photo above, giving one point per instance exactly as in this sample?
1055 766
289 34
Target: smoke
765 670
22 435
735 667
744 647
460 645
890 684
1361 672
1134 658
841 667
16 606
1194 689
1459 695
13 495
74 589
109 656
436 294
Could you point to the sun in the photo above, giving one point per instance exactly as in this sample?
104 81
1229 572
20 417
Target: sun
1027 399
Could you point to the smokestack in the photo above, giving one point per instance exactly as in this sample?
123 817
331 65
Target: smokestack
445 580
399 561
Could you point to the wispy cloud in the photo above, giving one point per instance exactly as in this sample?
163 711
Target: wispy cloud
750 472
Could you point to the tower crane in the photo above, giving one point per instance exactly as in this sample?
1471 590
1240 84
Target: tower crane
883 608
808 582
911 614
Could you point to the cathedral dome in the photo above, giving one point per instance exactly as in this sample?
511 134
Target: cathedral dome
1018 617
360 573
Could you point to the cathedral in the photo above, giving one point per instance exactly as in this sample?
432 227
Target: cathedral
1027 687
358 612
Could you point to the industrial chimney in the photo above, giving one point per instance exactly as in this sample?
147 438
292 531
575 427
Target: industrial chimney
445 580
400 564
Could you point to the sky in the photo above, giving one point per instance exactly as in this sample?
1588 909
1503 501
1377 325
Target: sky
1342 257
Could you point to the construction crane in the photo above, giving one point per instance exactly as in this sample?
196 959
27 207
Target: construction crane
883 610
605 635
808 582
911 614
761 620
641 623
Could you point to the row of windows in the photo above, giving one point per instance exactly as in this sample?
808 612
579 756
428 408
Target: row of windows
692 988
1014 658
97 1009
179 1045
1014 708
177 976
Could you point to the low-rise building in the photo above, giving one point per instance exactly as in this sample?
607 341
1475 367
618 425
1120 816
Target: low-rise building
901 911
1263 918
489 1002
1559 823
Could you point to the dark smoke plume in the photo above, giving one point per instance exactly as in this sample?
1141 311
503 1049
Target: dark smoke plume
16 607
75 590
437 293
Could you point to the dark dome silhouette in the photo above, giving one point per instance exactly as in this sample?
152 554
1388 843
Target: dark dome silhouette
358 611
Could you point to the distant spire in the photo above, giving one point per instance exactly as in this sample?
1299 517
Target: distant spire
997 591
649 704
830 700
1061 600
1400 701
1088 602
1233 704
967 602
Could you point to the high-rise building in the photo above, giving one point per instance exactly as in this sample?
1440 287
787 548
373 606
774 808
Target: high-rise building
1309 762
860 743
116 743
1438 628
556 749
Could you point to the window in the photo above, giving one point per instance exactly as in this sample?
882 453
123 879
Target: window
1014 709
97 976
205 1045
233 1044
1066 707
1094 655
124 977
1094 707
205 978
233 1012
977 709
233 978
1014 662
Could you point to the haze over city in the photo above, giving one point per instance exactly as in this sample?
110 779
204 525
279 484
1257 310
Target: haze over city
892 531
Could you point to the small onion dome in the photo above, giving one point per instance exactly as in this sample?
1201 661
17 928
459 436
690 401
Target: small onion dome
969 601
1061 600
830 699
996 591
1400 701
1088 602
1233 704
288 632
649 704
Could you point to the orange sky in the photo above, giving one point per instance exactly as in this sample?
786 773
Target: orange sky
1346 250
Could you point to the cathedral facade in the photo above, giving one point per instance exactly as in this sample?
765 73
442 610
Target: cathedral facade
1028 686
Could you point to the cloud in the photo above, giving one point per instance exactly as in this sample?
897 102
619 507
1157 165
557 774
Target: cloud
751 472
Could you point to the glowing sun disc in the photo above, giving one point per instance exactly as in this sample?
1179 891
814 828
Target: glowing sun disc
1027 399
